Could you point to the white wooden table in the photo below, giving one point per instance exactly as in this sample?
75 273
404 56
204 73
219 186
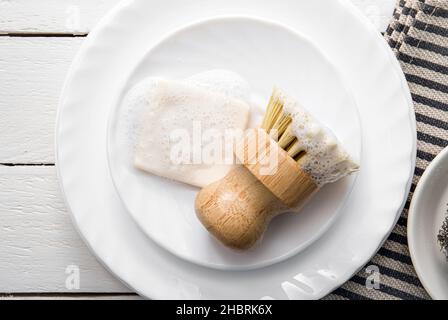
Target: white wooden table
39 249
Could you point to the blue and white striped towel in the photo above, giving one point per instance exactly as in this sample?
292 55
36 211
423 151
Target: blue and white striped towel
418 34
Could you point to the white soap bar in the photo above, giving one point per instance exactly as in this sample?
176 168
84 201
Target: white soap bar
184 131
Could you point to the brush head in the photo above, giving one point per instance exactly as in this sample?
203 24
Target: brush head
315 148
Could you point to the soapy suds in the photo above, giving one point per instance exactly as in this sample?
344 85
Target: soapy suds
138 99
326 160
222 81
168 107
135 103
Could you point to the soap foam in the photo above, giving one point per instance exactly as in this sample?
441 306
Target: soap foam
165 105
226 82
135 103
325 160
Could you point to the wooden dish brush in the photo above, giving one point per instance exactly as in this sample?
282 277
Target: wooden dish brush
238 208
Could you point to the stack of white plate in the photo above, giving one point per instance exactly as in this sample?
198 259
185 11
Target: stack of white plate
143 228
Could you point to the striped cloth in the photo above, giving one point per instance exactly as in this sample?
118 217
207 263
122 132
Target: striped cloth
418 34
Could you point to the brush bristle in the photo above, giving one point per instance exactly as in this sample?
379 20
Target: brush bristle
278 124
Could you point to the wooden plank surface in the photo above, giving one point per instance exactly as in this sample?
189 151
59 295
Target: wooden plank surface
32 72
37 239
80 16
38 243
51 16
62 296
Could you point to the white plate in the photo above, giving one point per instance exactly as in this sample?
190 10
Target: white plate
104 64
165 209
426 215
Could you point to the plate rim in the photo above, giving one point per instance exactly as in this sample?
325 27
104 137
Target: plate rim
411 225
328 223
345 276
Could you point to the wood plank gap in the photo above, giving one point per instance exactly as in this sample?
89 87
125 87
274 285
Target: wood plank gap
27 164
65 294
41 35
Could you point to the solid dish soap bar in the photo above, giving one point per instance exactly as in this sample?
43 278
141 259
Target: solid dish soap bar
186 132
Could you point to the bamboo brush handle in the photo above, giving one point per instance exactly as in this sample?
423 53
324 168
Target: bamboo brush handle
238 208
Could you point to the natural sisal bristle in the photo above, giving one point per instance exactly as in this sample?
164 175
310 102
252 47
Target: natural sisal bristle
277 123
273 113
